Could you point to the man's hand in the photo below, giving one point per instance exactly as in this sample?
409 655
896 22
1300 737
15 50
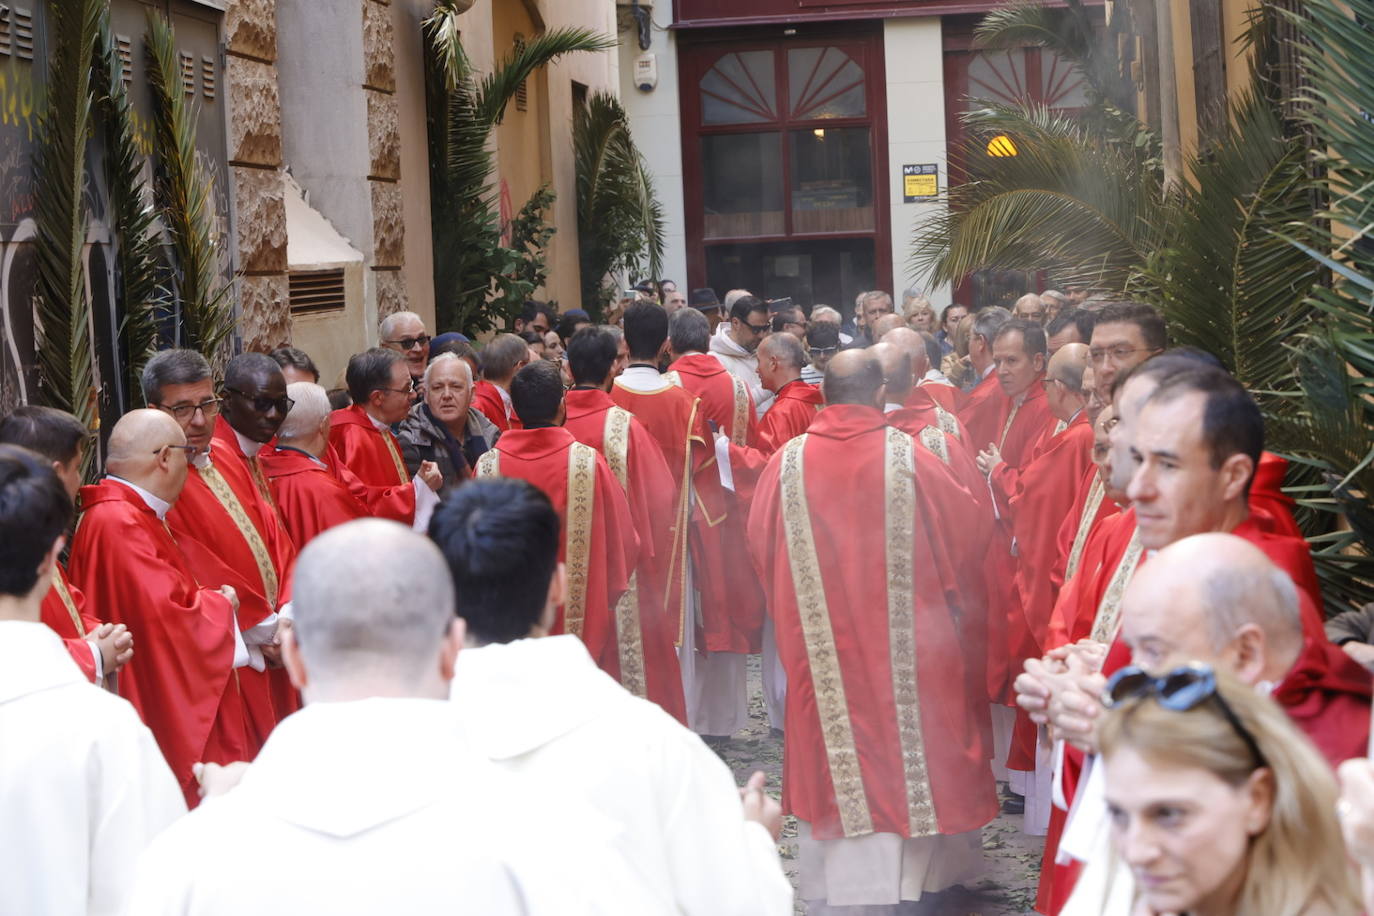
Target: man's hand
233 596
761 807
429 473
115 644
1362 652
1035 687
988 459
1076 705
215 779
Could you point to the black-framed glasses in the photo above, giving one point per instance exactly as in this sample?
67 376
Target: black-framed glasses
821 351
190 450
264 403
410 343
1118 354
408 390
758 328
183 412
1180 690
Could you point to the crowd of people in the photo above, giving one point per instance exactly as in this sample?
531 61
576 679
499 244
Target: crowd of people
465 629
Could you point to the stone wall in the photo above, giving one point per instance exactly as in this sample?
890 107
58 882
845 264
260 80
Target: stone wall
384 157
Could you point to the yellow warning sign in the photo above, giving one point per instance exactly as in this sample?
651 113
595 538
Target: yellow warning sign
920 182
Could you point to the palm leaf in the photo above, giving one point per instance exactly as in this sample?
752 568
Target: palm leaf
60 215
138 291
184 191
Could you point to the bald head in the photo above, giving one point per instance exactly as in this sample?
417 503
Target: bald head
854 377
885 323
1068 365
374 628
896 370
785 348
1029 308
913 344
138 453
1218 599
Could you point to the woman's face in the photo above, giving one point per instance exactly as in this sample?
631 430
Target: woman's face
1184 832
953 315
922 320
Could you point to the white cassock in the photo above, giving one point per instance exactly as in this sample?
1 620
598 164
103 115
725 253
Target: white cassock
542 710
83 786
378 806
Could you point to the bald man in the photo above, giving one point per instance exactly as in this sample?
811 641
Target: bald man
887 323
781 360
1029 307
933 401
325 795
188 638
845 574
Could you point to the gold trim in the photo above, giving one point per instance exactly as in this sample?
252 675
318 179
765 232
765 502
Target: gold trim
948 423
395 455
616 438
1011 418
581 513
1109 610
1096 492
678 559
673 377
1059 428
935 443
65 595
739 426
826 678
629 633
899 482
489 464
247 530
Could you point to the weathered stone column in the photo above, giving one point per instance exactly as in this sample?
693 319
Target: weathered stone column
384 157
255 159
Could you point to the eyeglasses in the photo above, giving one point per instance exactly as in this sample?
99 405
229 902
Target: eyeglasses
183 412
1180 690
1047 383
263 403
410 343
410 389
190 450
821 351
1118 354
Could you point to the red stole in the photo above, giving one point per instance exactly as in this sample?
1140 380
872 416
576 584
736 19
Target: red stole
309 495
1090 505
181 679
725 400
647 666
64 611
376 473
1271 507
790 414
487 398
880 736
1326 693
599 544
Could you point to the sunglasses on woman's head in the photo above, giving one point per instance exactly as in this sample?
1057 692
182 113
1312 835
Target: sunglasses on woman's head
1180 690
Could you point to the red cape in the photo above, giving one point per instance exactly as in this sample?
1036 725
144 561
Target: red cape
704 376
947 396
310 496
72 629
790 415
1270 506
487 398
649 490
360 457
846 443
982 412
181 679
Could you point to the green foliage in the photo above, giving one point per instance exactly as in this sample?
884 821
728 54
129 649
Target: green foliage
184 191
619 217
138 290
480 282
60 214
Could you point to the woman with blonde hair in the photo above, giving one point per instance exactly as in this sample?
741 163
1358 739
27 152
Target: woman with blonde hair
918 313
1219 805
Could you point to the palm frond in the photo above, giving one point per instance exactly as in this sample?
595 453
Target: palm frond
60 215
184 190
495 90
137 256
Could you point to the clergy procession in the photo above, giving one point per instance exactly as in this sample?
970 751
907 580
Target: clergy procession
472 630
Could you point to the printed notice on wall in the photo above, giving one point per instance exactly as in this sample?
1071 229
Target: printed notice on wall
920 182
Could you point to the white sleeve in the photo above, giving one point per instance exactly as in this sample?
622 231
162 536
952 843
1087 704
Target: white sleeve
99 662
426 500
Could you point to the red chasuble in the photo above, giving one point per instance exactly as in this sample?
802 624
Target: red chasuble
725 399
947 396
1269 505
1326 693
309 495
647 665
486 397
64 611
790 414
982 412
881 735
373 459
672 416
1090 505
231 536
599 544
181 679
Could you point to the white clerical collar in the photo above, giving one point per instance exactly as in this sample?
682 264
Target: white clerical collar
157 504
505 399
1020 398
249 448
987 371
641 378
890 407
381 427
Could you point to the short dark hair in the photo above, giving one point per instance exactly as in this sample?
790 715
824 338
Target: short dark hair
500 538
822 335
459 348
172 367
291 358
568 324
1032 335
689 331
744 306
35 510
857 387
793 314
245 368
1166 364
591 353
1232 423
646 328
536 391
1082 319
1145 317
532 338
533 307
502 354
52 433
368 371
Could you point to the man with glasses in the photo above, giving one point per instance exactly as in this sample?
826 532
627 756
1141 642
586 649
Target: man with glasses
1124 336
405 333
735 343
229 531
189 645
366 449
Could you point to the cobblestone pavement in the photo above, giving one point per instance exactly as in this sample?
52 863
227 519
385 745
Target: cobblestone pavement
1013 859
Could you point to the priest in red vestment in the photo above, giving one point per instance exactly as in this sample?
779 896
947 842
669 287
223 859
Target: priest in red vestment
984 407
361 440
600 546
183 682
711 630
795 403
883 757
648 665
99 649
308 493
501 358
725 399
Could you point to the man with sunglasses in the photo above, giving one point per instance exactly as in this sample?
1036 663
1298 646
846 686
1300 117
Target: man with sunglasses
736 343
405 333
229 531
189 643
